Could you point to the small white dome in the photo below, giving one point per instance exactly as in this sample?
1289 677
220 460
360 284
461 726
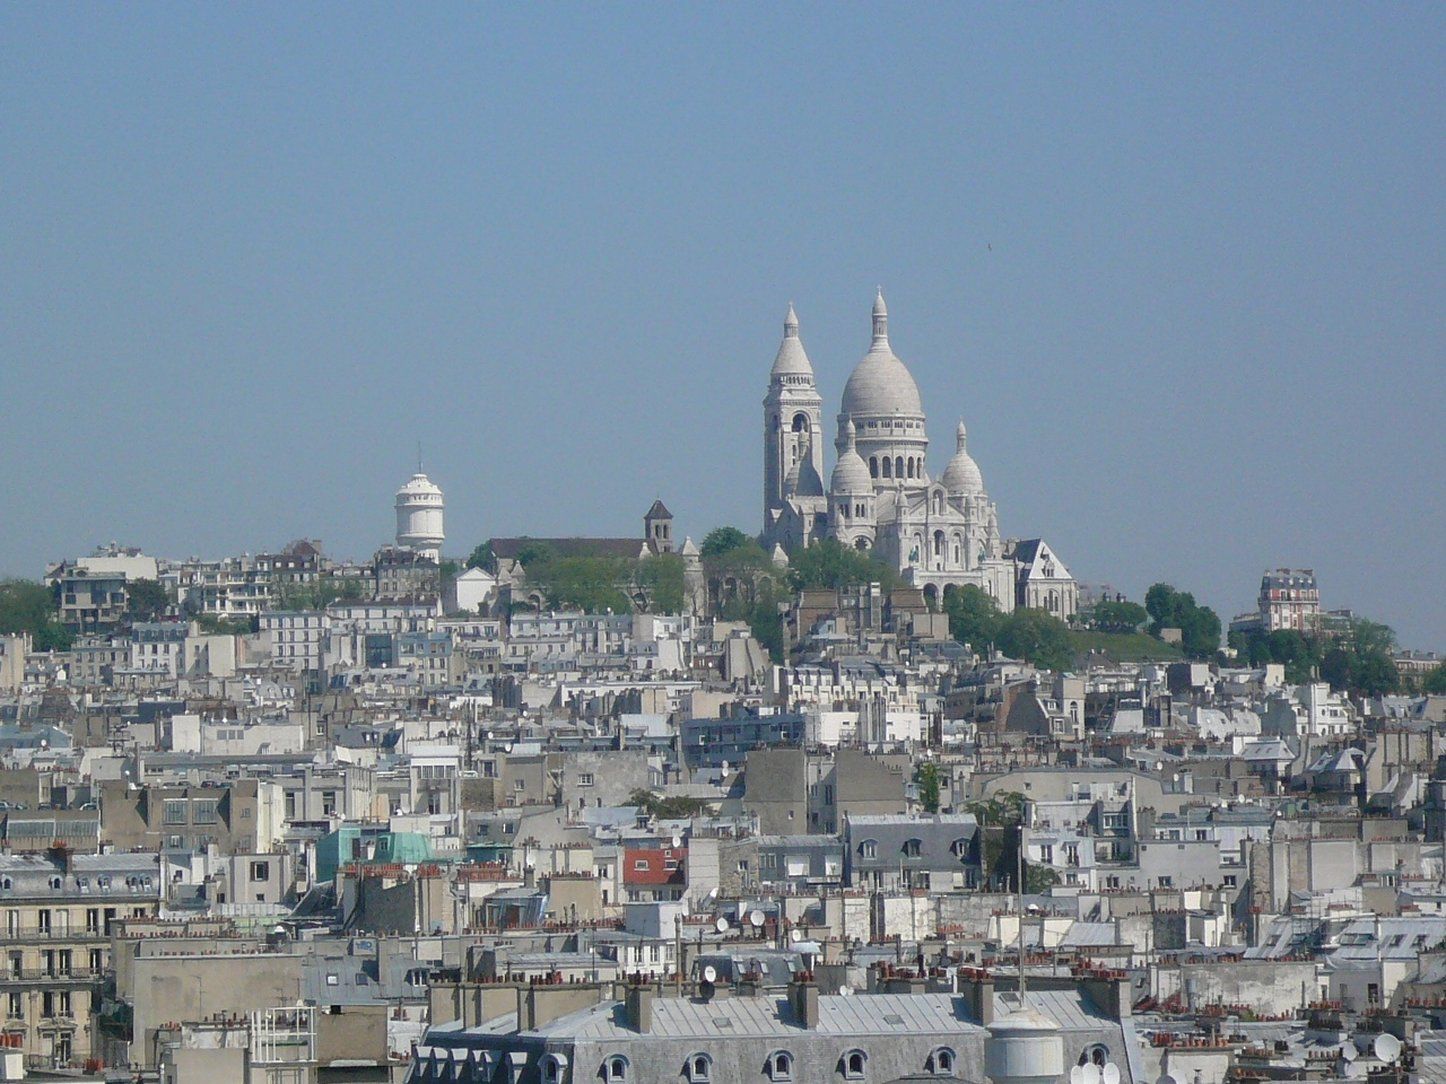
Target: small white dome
881 383
850 473
962 477
418 484
791 359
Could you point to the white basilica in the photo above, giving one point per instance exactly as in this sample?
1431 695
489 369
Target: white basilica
880 495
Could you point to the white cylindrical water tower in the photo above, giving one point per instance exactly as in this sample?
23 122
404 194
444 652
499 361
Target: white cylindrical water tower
419 516
1024 1047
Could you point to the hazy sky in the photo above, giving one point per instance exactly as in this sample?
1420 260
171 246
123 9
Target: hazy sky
1179 267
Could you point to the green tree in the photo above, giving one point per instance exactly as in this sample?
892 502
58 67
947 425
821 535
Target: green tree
481 556
1434 682
1361 661
1037 637
1118 616
27 606
662 576
1199 625
721 540
146 600
589 584
927 778
829 563
974 617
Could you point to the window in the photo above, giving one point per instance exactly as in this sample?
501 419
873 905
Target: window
15 1006
852 1064
912 848
940 1062
1229 880
869 848
174 812
779 1065
615 1068
261 871
204 812
585 779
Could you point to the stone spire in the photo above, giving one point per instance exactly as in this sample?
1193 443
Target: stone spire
790 323
881 320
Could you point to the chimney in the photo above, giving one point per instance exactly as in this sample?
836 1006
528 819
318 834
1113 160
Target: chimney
977 986
750 984
803 999
640 1007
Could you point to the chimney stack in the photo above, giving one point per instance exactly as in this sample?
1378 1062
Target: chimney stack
803 999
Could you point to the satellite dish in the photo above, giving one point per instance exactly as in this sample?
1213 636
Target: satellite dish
755 917
1349 1052
1387 1047
710 974
1076 1075
795 936
1091 1074
1112 1073
721 925
677 840
725 767
845 991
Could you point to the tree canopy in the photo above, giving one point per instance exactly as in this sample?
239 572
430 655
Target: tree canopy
1033 635
722 539
1435 681
1118 616
1199 625
827 562
27 606
146 600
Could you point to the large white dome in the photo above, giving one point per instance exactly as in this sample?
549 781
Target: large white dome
881 383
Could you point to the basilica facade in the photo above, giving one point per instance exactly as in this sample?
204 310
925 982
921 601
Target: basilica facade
880 495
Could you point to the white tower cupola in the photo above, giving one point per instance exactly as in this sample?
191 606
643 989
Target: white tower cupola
419 516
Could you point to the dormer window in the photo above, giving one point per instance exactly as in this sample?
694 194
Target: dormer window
779 1066
699 1069
940 1062
615 1069
852 1065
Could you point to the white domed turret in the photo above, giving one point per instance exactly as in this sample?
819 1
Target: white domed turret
791 358
1024 1047
962 477
419 516
850 473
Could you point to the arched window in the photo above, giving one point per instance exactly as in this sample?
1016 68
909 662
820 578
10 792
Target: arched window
938 543
852 1064
800 423
699 1069
779 1065
873 466
869 848
912 847
960 848
940 1061
899 466
1096 1054
909 466
552 1068
861 544
888 467
615 1069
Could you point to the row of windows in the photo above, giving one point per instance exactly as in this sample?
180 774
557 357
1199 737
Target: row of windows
898 467
778 1066
912 848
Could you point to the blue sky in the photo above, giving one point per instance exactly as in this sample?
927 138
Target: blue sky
1179 267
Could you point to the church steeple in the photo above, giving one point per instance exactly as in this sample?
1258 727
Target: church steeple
790 323
881 320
